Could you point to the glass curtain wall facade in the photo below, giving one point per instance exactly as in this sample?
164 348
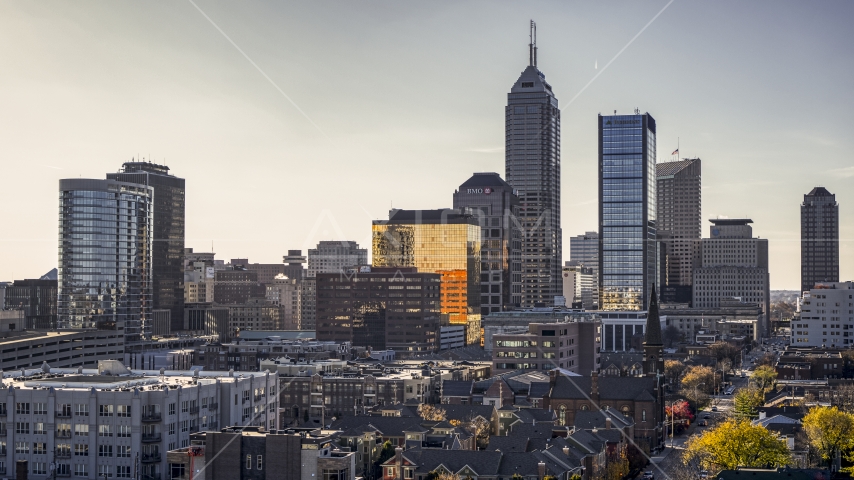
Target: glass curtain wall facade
627 211
446 242
168 235
104 275
532 162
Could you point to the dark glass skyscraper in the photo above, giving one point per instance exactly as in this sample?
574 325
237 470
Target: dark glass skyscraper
819 238
104 278
167 259
532 161
627 210
678 226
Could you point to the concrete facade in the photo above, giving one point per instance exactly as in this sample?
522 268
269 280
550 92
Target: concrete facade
678 225
826 318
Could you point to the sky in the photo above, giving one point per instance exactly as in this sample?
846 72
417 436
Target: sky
295 122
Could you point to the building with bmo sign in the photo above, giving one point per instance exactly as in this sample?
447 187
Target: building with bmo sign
443 241
494 204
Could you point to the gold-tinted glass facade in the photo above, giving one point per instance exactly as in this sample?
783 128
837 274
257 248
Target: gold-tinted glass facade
450 249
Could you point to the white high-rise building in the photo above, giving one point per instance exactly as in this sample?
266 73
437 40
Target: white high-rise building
580 285
333 256
826 318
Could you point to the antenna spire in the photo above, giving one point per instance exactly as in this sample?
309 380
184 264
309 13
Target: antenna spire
532 46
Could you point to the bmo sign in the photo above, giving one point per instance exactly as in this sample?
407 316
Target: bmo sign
479 191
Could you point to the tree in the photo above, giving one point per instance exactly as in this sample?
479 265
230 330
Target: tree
843 397
830 431
431 413
386 453
695 376
672 334
765 377
679 411
725 350
673 369
737 443
481 430
616 464
441 475
746 401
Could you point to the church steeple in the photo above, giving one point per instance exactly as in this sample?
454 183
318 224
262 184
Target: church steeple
653 348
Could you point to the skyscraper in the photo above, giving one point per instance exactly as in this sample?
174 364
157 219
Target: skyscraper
532 161
334 256
436 241
584 250
105 256
627 238
819 238
167 251
678 226
494 205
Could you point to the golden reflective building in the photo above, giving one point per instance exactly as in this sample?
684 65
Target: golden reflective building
446 242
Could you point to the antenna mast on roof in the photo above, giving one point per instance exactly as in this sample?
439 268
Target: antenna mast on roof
532 46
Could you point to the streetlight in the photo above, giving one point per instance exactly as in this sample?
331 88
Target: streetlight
696 398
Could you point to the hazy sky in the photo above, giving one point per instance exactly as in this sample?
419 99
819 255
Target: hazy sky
399 102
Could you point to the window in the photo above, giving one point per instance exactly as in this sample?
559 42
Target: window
63 449
123 451
105 450
104 471
81 429
80 470
39 448
260 462
123 431
171 409
3 408
40 408
81 409
185 406
123 410
63 469
123 471
105 410
22 447
39 468
22 408
63 430
172 429
177 470
22 427
105 431
248 462
38 428
3 448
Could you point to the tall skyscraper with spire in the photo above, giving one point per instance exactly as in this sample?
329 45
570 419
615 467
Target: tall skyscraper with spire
532 162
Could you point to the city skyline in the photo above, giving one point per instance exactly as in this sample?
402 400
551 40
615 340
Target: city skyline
105 82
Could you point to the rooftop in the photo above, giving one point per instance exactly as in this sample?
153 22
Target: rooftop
730 221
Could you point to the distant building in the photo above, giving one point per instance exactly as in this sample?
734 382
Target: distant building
627 211
732 317
266 271
208 319
624 331
167 234
254 314
580 286
494 204
517 321
446 242
248 355
285 293
584 251
233 287
733 264
678 225
571 346
819 238
97 287
380 308
37 298
333 256
826 318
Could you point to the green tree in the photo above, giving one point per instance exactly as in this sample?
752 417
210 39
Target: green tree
737 443
386 453
830 431
725 351
746 401
673 369
765 377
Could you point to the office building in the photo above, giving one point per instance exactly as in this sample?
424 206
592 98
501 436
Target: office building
308 303
827 317
167 235
333 256
254 314
494 204
732 318
446 242
285 293
233 287
625 331
571 346
105 229
266 271
678 226
733 264
395 308
294 262
37 298
819 238
580 288
584 251
532 162
627 208
208 319
112 422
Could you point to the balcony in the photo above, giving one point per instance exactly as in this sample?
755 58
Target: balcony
63 434
150 437
194 428
151 476
194 410
2 470
151 458
213 406
63 473
245 400
63 454
151 416
63 414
